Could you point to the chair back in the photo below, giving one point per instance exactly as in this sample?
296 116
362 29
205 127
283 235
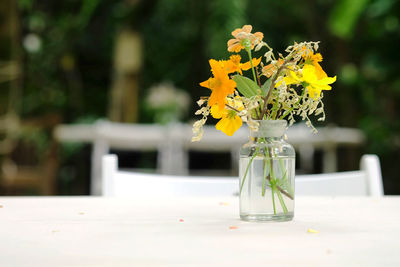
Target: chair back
367 182
123 183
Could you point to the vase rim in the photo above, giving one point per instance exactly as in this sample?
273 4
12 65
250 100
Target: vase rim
270 128
272 121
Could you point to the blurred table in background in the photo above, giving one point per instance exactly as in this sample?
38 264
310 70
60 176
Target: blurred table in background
94 231
173 143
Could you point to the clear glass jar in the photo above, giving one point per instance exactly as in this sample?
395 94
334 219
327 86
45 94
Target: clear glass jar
266 172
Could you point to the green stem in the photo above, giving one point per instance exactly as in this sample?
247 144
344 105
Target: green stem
272 180
284 178
252 67
273 198
285 210
247 169
274 109
264 176
282 167
274 186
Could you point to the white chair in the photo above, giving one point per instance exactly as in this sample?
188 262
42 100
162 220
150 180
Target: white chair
173 144
122 183
367 182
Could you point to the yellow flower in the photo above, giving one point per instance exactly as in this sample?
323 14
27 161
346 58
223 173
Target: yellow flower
314 60
234 65
310 80
243 35
229 121
220 85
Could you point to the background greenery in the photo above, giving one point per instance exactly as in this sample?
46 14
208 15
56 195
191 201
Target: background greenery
71 72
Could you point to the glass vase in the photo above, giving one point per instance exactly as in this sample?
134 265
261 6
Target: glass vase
266 172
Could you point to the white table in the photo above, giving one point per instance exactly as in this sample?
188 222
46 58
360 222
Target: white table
92 231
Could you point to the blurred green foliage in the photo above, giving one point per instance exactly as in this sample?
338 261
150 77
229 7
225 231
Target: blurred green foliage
344 17
72 64
71 72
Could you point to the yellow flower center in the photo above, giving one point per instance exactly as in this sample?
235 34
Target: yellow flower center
217 83
231 114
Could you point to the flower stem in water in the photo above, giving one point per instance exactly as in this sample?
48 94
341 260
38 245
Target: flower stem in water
247 169
285 210
273 198
264 176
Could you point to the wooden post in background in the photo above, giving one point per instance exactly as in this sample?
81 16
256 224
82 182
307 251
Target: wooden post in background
123 105
10 73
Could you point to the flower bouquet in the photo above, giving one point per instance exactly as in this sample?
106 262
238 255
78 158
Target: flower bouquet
280 89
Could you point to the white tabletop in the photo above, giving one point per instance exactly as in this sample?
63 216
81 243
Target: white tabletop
91 231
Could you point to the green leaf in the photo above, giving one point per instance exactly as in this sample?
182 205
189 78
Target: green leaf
266 87
246 87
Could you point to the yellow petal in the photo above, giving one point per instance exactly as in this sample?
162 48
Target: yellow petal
217 112
327 80
319 71
256 61
236 47
259 35
247 28
207 83
217 97
229 125
232 42
235 59
231 67
292 78
309 74
247 65
313 92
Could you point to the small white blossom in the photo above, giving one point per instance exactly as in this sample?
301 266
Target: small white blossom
316 46
198 129
200 102
203 111
259 46
268 56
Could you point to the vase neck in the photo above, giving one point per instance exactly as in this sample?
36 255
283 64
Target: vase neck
270 129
